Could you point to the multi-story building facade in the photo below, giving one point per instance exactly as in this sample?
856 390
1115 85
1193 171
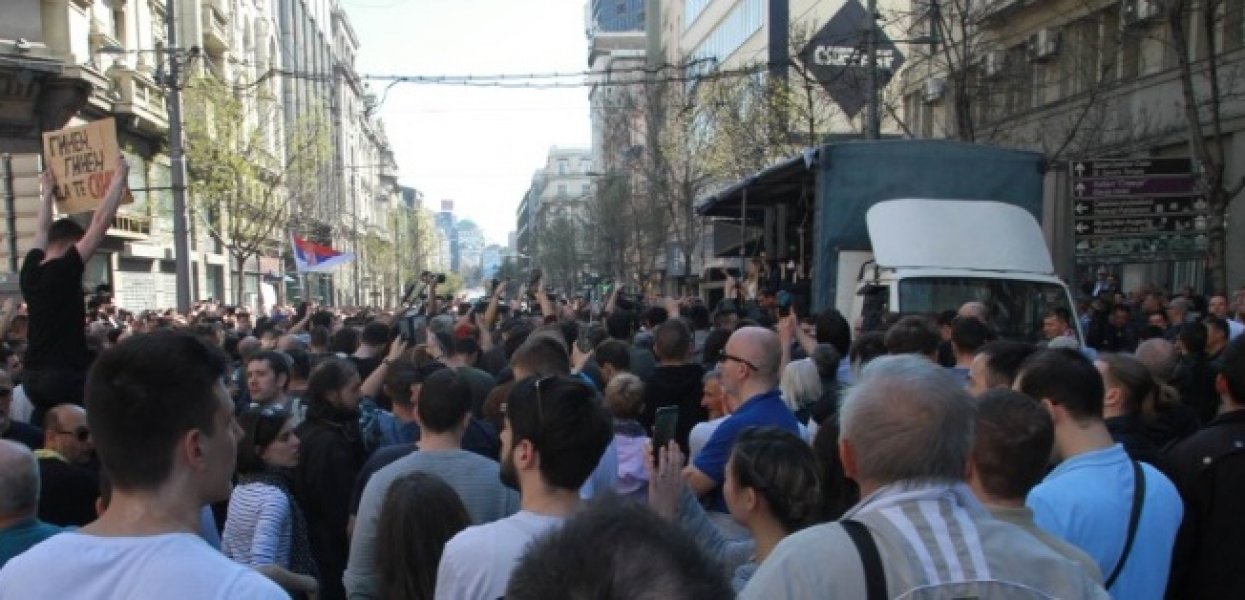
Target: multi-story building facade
524 232
444 222
70 62
471 245
67 63
560 236
1081 81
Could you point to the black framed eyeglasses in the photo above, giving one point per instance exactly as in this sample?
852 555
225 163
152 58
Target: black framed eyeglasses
82 433
723 357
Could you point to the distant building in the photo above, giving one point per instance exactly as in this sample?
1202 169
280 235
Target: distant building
470 246
490 261
444 223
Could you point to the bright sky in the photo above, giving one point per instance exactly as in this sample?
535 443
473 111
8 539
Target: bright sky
477 146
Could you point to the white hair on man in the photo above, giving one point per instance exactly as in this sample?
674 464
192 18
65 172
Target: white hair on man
908 419
19 481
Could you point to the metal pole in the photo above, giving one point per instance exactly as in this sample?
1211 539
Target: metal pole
358 257
10 207
177 160
743 232
873 121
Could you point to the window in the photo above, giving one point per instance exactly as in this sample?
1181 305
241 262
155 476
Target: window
692 10
1016 306
740 24
563 166
1233 36
561 190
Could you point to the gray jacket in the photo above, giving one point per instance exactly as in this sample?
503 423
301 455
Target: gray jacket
928 535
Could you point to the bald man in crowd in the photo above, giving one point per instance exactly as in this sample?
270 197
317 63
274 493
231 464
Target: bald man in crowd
69 485
19 497
749 365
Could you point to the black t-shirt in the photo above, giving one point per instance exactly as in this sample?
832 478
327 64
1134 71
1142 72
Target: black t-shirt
67 493
53 294
27 434
365 366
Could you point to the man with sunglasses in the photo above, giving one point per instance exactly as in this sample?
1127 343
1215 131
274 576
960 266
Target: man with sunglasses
70 486
750 370
555 432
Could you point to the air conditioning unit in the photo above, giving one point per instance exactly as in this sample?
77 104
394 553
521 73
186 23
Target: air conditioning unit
1044 45
993 63
934 90
1140 11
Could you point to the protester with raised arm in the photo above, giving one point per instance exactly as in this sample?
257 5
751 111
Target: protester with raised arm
51 283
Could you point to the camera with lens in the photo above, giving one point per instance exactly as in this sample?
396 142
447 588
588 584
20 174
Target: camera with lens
429 277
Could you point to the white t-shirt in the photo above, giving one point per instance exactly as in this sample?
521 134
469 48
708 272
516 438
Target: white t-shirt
21 409
173 565
700 435
477 562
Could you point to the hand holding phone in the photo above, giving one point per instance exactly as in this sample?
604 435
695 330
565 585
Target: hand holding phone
664 425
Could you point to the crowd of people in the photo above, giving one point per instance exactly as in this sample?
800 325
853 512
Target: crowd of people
488 451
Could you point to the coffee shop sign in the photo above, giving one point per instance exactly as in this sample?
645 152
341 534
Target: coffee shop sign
847 56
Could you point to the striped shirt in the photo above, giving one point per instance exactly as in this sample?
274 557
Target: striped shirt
259 526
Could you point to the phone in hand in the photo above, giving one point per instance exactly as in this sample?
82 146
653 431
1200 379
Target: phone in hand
664 424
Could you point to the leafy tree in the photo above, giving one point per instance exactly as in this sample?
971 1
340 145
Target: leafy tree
559 253
248 178
1206 83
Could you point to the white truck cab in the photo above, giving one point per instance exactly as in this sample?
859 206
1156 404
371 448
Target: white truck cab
929 256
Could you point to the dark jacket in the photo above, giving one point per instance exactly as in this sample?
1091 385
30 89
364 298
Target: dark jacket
1195 379
1129 431
682 386
1208 470
1171 423
67 492
330 456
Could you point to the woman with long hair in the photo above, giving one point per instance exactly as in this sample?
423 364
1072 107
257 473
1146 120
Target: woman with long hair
265 528
420 514
772 488
332 454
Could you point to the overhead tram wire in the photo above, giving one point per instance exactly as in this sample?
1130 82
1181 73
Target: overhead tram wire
549 80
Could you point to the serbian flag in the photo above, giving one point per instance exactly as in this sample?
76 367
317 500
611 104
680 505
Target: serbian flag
310 257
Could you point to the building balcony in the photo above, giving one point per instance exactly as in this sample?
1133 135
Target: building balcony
130 227
215 27
137 95
993 11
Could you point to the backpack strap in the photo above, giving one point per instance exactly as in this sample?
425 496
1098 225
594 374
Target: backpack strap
1139 498
875 574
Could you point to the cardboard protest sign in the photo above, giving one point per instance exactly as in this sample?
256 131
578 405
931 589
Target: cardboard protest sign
83 159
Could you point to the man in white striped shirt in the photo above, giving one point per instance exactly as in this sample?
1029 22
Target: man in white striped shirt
907 433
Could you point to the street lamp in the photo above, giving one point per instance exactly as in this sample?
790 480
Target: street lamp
177 156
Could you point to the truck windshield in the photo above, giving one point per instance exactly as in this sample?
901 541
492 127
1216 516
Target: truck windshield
1016 306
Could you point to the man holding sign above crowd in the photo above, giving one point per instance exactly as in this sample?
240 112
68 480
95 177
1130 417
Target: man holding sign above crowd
51 282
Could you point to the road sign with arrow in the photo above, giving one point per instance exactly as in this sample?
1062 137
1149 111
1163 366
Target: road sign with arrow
1145 209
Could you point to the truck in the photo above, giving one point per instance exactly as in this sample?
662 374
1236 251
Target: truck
899 226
